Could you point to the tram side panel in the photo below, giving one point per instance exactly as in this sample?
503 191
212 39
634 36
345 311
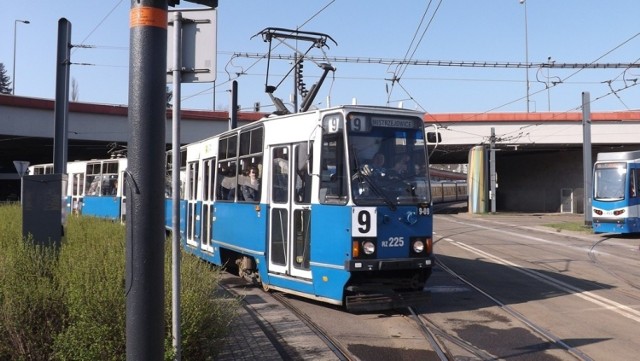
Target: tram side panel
330 249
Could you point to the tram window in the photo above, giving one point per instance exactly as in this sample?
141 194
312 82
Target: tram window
168 183
227 180
251 141
93 179
193 179
232 146
634 182
250 162
249 180
279 227
256 140
208 177
302 241
303 178
227 147
280 174
47 169
333 173
77 182
109 178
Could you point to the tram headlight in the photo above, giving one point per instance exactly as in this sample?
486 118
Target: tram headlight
421 246
418 246
368 247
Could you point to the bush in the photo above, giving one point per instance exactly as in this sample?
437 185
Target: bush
30 302
205 316
70 304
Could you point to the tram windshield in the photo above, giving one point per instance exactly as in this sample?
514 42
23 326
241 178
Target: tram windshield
388 162
609 181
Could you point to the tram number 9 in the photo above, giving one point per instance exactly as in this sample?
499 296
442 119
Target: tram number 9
363 222
360 125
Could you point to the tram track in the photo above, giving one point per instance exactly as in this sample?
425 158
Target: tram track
433 335
595 260
557 341
339 350
437 338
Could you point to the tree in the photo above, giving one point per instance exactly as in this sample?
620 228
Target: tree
169 96
75 93
5 81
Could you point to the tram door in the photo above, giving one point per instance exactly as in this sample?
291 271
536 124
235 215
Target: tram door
289 233
193 216
77 192
208 188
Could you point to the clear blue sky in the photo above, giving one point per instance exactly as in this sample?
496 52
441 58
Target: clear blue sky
568 31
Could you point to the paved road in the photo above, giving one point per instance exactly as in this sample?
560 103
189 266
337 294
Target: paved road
580 288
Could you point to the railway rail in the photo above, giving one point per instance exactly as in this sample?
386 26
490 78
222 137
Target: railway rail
557 341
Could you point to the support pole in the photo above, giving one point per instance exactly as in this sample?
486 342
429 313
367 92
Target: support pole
175 185
586 156
492 169
61 106
144 284
233 112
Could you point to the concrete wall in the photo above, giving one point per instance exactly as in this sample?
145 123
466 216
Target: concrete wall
532 182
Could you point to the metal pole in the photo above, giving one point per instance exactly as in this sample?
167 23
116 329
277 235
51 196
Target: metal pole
13 76
233 112
61 106
586 156
526 48
144 287
175 189
548 85
492 169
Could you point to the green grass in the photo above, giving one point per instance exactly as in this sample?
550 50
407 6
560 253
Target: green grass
69 304
570 226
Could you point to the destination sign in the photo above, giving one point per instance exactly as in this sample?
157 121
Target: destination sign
393 123
610 165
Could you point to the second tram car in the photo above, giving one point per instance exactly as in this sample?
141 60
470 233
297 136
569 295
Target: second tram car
616 202
94 187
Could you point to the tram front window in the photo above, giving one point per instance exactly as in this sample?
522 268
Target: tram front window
388 165
609 181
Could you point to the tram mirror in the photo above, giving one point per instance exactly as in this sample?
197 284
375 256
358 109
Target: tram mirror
434 137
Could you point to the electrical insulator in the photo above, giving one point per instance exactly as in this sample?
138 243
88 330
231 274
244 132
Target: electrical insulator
301 85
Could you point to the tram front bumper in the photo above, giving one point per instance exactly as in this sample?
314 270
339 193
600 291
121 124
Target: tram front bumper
387 264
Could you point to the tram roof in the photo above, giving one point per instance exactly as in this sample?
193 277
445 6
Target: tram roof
612 156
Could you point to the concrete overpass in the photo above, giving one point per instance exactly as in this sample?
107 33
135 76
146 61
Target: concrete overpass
539 154
95 131
27 128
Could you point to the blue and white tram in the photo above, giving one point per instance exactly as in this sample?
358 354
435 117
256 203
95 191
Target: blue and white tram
94 187
616 202
333 205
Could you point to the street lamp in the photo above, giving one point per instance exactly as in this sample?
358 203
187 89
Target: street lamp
13 76
526 48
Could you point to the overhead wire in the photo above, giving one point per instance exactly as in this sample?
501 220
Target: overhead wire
400 69
104 18
563 81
